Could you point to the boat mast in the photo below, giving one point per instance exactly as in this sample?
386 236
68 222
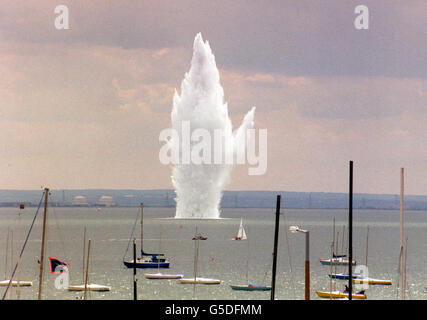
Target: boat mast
87 269
350 234
276 239
46 190
142 226
84 253
367 240
402 220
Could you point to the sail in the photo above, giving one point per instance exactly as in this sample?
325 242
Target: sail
241 234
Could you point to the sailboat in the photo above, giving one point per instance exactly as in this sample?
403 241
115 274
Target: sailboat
13 283
197 280
368 280
241 234
87 286
248 286
337 260
160 275
340 295
147 260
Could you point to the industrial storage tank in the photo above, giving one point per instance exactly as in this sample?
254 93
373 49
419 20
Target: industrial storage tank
105 201
80 201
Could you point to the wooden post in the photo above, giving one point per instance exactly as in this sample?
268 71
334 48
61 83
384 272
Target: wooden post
276 239
135 294
350 234
46 190
307 265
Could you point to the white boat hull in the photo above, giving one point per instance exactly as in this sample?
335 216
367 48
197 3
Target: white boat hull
90 287
14 283
198 280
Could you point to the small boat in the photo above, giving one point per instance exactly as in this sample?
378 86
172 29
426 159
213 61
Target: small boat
89 287
340 295
162 276
342 276
250 287
15 283
241 234
341 260
199 280
372 281
199 236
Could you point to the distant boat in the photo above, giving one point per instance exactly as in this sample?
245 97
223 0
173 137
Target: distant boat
371 281
340 295
248 286
342 276
241 234
87 286
251 287
147 260
341 260
197 280
199 236
15 283
160 275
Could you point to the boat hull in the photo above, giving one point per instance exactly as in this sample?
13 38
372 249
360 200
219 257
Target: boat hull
199 281
162 276
144 265
14 283
250 287
336 262
373 281
341 276
339 295
89 287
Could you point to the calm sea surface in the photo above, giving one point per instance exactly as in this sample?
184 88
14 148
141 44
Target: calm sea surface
110 230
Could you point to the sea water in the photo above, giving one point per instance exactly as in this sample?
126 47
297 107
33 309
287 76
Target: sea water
219 257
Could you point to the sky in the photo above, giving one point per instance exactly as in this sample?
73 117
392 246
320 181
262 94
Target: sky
84 107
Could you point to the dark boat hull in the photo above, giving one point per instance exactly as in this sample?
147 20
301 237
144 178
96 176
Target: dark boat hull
146 265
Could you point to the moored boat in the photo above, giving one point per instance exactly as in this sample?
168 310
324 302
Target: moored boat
162 276
250 287
199 280
339 295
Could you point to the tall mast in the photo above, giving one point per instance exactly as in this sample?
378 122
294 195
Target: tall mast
276 238
350 234
87 269
142 226
402 220
46 190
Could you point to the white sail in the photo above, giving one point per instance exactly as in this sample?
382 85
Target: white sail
241 234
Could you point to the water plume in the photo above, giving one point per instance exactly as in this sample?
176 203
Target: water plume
201 105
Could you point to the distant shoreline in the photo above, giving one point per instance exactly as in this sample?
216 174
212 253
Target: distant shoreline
165 198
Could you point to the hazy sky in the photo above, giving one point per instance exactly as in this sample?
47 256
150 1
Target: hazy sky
83 108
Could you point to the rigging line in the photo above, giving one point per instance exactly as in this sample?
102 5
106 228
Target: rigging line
289 255
61 239
23 246
130 238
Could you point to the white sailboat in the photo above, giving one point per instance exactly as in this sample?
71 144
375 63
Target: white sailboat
160 275
198 280
88 286
241 234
